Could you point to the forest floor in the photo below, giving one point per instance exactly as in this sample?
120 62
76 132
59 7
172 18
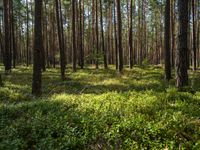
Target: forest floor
99 109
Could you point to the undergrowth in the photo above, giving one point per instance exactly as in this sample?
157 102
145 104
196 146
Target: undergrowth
99 109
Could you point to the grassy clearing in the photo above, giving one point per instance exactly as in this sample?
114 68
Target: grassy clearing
99 109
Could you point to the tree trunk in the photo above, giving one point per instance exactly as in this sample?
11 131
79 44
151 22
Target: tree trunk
167 41
74 34
116 40
102 38
81 2
97 37
194 36
60 39
131 36
27 34
119 33
182 50
173 34
37 74
14 50
7 52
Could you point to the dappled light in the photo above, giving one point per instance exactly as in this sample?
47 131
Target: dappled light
99 75
92 109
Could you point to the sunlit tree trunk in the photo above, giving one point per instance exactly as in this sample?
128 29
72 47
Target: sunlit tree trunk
119 34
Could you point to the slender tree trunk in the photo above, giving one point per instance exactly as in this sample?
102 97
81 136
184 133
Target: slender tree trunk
194 36
27 34
63 58
181 60
102 38
116 40
46 35
14 50
7 52
167 41
81 34
172 32
60 39
97 36
131 36
119 33
37 74
93 30
74 35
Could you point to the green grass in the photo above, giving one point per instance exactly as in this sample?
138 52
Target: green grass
99 109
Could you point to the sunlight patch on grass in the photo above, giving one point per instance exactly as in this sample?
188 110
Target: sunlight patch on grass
137 110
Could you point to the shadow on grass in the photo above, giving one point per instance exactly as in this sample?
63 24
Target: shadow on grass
50 125
60 124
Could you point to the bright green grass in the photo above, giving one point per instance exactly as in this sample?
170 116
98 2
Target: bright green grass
99 109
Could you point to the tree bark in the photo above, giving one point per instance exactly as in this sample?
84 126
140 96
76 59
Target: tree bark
60 39
167 41
7 49
37 74
102 38
119 34
182 50
194 36
81 2
74 35
97 36
131 36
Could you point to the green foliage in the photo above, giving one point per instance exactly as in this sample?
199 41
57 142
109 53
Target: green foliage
94 56
145 62
98 109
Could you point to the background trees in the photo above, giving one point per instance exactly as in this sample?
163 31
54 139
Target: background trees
99 107
90 32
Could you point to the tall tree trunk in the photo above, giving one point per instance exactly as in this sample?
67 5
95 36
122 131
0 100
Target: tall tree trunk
116 39
167 41
60 39
81 2
102 38
97 36
181 60
27 34
119 33
131 36
194 36
93 30
14 50
74 35
7 52
37 74
46 34
173 34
